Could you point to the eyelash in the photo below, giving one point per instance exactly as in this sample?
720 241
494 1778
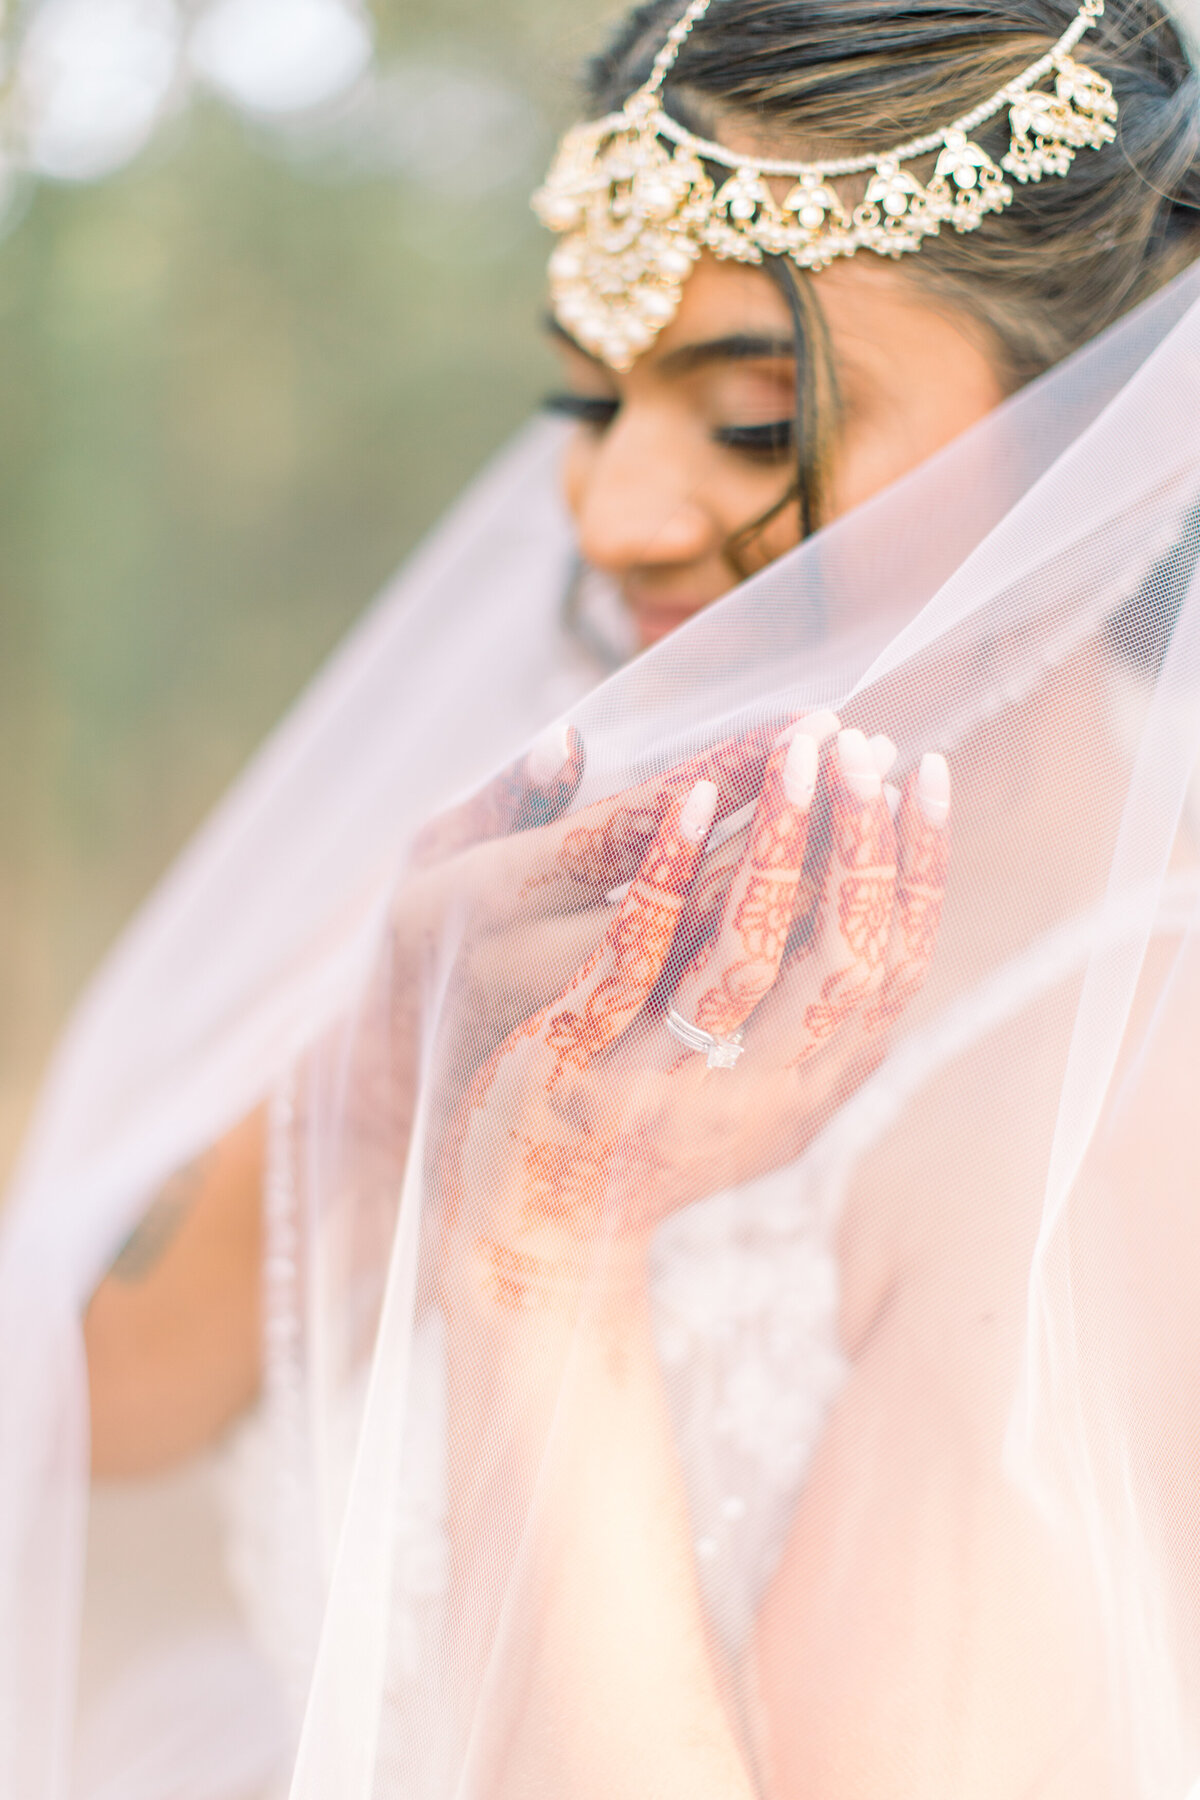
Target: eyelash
771 441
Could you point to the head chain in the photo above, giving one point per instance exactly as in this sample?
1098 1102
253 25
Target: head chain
635 206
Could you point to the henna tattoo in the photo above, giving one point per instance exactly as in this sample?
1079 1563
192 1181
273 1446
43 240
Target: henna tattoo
601 857
847 950
841 994
517 1280
606 994
735 764
563 1180
920 892
722 1008
556 1150
749 948
761 924
635 947
565 1184
576 1038
696 935
867 888
864 915
778 840
764 915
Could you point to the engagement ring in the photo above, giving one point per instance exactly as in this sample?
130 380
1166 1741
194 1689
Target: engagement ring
720 1053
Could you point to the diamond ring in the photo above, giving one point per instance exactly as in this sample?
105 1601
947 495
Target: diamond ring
719 1053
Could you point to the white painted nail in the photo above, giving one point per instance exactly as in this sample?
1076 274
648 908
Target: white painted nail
800 770
858 768
883 753
820 725
699 810
933 788
892 795
548 754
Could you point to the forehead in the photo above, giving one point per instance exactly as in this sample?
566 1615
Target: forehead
721 299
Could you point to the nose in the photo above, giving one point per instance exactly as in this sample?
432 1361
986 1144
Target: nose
635 499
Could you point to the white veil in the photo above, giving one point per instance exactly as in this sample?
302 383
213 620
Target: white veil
1042 568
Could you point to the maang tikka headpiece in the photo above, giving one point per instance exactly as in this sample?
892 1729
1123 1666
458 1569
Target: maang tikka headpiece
635 205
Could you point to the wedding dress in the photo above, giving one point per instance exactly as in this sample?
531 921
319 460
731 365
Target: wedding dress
746 1313
1038 576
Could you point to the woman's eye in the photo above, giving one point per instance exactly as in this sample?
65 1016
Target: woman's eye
772 441
586 409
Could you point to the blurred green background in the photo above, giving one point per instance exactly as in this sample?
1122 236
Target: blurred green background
240 375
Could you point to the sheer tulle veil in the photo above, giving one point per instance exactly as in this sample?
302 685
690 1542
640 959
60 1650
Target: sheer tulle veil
1035 582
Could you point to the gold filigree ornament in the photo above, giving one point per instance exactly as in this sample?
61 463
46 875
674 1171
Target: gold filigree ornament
635 203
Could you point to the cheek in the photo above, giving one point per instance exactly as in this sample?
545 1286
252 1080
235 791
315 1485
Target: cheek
577 465
868 456
764 493
896 430
780 534
731 492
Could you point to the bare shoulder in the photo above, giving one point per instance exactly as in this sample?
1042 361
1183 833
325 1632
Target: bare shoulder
172 1332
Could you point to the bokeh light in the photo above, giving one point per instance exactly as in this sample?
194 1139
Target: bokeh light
281 56
93 78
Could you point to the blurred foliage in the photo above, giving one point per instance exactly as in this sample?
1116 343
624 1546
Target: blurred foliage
238 384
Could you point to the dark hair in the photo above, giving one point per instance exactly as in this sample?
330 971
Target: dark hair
1040 279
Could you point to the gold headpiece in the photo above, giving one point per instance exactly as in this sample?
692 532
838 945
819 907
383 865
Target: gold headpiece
635 205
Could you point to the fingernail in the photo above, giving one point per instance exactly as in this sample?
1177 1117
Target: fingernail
859 773
699 810
800 770
548 754
883 753
820 725
892 795
933 788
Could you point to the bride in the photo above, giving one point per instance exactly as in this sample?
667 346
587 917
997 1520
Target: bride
690 1241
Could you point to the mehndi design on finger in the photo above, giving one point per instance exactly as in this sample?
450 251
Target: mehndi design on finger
610 990
922 866
730 976
844 956
606 842
522 1100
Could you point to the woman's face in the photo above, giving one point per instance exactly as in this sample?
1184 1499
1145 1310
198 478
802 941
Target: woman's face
672 460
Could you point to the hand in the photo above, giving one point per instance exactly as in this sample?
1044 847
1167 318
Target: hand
525 891
528 890
589 1122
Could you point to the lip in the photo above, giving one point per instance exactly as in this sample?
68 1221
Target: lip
657 617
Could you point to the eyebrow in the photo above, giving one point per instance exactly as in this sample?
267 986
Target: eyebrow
738 346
